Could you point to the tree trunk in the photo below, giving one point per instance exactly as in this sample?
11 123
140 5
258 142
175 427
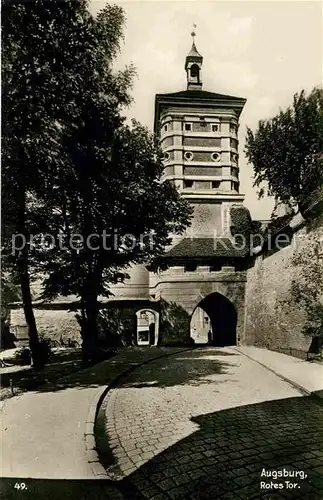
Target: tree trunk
24 279
34 345
90 332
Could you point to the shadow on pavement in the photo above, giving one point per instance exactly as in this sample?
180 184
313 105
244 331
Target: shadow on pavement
225 457
222 460
193 368
28 378
100 374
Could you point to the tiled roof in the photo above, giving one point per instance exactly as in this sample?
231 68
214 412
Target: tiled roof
205 247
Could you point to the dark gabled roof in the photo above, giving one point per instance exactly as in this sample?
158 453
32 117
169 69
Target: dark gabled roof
204 248
196 98
199 94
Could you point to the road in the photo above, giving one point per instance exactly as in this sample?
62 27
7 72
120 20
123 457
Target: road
208 424
200 424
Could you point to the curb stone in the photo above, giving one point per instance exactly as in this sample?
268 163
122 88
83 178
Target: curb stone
89 432
306 392
90 445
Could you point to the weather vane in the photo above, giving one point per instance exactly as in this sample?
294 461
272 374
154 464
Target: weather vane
193 34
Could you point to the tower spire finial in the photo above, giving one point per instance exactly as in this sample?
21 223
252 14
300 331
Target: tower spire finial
193 65
193 33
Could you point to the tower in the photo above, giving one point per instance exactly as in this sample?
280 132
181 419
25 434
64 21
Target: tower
203 271
199 137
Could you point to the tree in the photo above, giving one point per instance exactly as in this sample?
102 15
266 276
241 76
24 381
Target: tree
126 212
72 165
286 151
246 232
117 326
50 51
10 292
54 55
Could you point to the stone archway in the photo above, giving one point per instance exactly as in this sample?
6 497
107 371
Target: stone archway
147 329
222 322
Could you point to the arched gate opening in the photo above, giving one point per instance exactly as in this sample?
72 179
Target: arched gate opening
214 321
147 327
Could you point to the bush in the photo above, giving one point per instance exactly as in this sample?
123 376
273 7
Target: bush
25 356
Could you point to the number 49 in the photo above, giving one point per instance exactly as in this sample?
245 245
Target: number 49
20 486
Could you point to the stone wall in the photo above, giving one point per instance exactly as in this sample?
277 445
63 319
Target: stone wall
52 324
273 319
207 219
181 292
268 316
174 327
117 323
209 170
201 141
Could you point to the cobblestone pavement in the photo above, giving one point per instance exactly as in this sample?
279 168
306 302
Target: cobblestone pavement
205 423
43 443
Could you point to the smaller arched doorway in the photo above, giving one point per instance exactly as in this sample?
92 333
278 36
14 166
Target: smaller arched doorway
214 321
147 327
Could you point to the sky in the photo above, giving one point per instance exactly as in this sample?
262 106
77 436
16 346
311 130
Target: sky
264 51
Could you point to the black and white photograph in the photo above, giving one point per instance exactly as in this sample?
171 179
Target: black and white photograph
161 250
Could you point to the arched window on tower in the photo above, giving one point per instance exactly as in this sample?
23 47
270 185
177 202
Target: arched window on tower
195 72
